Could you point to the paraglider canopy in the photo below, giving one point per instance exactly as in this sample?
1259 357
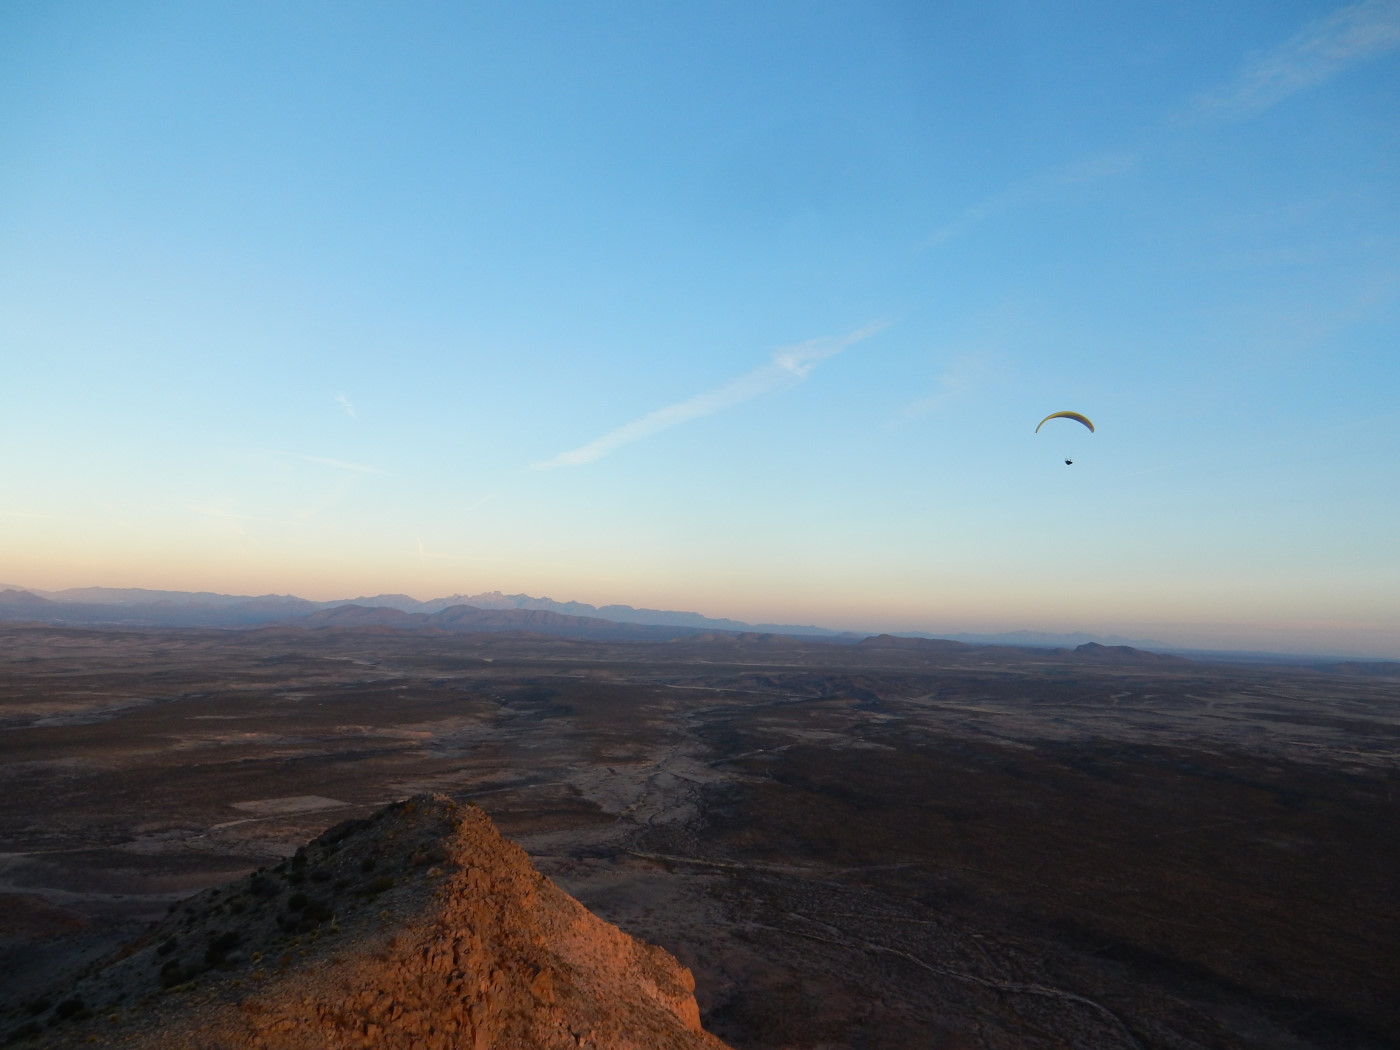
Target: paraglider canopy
1065 415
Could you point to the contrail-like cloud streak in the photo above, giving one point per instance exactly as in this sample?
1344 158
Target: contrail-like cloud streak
1041 187
788 367
338 464
1317 52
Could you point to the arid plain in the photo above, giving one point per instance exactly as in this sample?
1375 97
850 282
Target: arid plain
888 844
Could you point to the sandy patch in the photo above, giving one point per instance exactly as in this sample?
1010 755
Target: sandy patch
277 807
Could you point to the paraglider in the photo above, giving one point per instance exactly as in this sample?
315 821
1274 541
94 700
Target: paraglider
1066 415
1076 416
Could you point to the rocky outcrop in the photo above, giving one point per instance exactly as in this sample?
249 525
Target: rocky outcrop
1125 654
419 928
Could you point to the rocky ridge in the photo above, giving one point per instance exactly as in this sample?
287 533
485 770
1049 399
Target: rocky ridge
419 927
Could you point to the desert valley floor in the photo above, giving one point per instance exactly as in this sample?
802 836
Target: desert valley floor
890 844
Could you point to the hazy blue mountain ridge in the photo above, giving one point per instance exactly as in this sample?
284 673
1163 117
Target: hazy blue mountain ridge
143 596
617 613
242 608
141 607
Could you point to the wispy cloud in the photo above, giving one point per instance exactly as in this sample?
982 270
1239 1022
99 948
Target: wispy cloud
344 402
1319 51
788 367
1043 186
955 384
425 556
338 464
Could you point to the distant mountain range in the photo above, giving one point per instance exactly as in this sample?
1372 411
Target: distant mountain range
615 613
205 608
493 611
1044 640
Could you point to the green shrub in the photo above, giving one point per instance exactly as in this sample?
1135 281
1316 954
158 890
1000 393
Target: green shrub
379 885
219 947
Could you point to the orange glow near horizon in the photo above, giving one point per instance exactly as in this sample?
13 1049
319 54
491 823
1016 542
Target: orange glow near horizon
949 606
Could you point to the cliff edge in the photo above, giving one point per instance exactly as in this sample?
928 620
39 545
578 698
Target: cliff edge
419 927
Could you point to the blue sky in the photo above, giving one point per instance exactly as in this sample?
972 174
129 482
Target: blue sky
744 308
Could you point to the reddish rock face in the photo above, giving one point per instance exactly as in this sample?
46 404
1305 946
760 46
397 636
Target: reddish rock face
420 927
